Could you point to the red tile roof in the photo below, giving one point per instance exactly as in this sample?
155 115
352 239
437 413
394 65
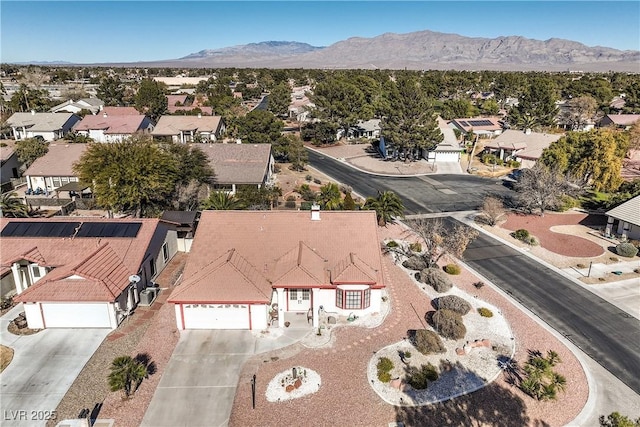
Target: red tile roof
120 111
120 125
84 268
280 248
58 161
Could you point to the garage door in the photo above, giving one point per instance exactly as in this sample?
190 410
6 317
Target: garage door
76 315
216 316
444 156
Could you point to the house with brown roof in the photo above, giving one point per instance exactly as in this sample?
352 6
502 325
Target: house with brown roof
622 121
251 269
186 129
93 105
525 147
184 103
82 272
107 128
483 126
54 169
49 126
240 164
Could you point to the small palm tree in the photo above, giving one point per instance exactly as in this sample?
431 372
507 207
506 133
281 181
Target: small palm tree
221 201
387 205
329 197
11 206
126 374
541 381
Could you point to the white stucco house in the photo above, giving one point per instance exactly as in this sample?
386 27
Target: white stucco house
113 128
254 269
449 150
624 220
49 126
94 105
54 169
82 273
183 129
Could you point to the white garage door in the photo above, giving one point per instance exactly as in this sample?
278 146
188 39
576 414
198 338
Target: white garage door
216 316
76 315
444 156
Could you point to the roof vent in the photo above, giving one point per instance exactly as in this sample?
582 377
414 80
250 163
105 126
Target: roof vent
527 131
33 112
199 115
315 212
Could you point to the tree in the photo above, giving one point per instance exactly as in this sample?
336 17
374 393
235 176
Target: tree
595 156
536 106
440 239
78 138
259 127
263 198
634 136
540 381
12 206
329 197
30 149
492 210
132 175
410 124
221 201
340 102
111 91
388 207
543 188
279 100
150 99
457 108
296 153
348 204
615 419
490 107
126 374
579 111
319 133
27 99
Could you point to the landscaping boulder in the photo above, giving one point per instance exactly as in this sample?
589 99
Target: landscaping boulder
453 303
415 262
436 278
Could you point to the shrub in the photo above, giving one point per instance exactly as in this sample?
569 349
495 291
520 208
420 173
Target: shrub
419 378
514 164
449 324
485 312
291 198
427 342
392 244
452 269
437 279
384 366
415 262
6 303
407 354
614 259
306 206
453 303
565 203
626 250
489 159
309 178
415 247
521 234
635 243
290 204
580 265
307 193
478 285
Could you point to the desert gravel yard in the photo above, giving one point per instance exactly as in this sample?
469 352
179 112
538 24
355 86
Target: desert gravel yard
346 396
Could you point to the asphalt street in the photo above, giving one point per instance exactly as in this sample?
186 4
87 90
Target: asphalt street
607 334
421 194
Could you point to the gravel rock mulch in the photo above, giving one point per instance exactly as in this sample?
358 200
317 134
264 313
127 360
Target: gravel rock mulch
347 398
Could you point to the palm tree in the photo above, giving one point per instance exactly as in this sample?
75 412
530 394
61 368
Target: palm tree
387 205
11 206
541 381
329 197
126 374
221 201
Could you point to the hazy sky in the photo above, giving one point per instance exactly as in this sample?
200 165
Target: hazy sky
124 31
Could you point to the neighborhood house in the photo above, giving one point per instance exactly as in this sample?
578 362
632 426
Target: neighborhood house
186 129
525 147
48 126
110 128
251 269
85 272
55 169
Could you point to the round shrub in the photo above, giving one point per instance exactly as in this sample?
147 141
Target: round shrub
626 250
521 234
427 342
415 247
437 279
415 262
449 324
384 364
290 204
384 377
291 198
392 244
419 378
485 312
453 303
452 269
637 270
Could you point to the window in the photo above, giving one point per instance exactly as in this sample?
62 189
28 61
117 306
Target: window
56 182
353 300
305 294
152 267
165 252
293 294
36 271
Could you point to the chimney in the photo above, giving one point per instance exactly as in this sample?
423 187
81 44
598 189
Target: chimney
527 131
315 212
238 141
199 115
33 112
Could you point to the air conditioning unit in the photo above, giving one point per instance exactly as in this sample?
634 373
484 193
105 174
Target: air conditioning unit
147 296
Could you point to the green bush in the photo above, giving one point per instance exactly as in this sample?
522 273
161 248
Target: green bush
306 206
565 203
384 366
427 342
452 269
485 312
514 164
415 247
626 250
580 265
637 270
392 244
449 324
309 178
290 204
437 279
419 378
521 234
291 198
489 159
453 303
306 193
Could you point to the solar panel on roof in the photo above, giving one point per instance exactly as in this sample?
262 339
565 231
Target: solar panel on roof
68 229
463 123
480 122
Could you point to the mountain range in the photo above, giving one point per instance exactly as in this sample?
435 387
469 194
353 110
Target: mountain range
420 50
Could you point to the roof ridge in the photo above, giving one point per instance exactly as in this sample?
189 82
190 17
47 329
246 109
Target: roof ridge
255 270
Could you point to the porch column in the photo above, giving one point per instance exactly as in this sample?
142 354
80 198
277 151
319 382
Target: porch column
607 231
17 278
315 299
281 306
625 230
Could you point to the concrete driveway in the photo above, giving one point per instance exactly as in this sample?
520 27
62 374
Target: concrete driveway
198 386
43 368
449 168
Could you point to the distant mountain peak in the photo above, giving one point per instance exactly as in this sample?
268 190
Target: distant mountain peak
265 48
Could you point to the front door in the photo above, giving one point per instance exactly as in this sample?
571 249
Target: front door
299 299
